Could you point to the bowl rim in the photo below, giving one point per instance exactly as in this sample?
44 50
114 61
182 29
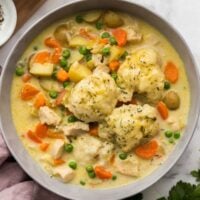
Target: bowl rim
76 192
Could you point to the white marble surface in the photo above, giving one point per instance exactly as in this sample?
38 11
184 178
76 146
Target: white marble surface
185 16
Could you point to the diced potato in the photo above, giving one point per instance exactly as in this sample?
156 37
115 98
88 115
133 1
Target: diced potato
78 72
112 19
115 53
75 56
38 69
61 34
92 16
80 41
50 84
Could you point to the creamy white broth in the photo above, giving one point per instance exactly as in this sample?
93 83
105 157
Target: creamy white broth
24 121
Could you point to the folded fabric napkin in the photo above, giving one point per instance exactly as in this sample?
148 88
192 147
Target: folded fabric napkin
15 184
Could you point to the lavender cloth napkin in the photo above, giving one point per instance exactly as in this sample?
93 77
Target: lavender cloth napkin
15 184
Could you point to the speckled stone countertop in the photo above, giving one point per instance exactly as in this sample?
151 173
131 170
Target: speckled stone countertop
184 15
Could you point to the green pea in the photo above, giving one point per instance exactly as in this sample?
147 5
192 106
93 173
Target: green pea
114 75
72 164
88 57
168 134
113 41
66 83
53 94
83 50
82 182
79 18
19 71
106 51
68 148
92 174
63 63
99 25
89 168
177 135
105 35
166 85
66 53
123 56
72 119
123 155
114 177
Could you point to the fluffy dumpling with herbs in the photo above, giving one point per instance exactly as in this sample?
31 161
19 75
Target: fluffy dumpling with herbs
94 97
130 124
141 73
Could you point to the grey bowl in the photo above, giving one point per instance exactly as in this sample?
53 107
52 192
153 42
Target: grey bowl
8 129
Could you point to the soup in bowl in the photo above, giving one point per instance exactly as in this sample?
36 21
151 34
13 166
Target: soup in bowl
100 99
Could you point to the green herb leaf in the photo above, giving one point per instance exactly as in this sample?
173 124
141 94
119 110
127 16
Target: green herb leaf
196 174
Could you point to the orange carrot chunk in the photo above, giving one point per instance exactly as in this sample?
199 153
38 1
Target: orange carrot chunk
26 77
147 150
44 146
53 43
103 41
58 161
120 35
41 130
42 57
28 92
55 135
162 109
114 65
62 75
102 173
40 100
31 135
171 72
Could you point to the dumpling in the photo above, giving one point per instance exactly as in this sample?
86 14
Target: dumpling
93 98
141 73
130 124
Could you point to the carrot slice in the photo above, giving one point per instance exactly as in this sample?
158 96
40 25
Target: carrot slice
102 173
114 65
42 57
26 77
44 146
40 100
120 35
41 130
147 150
62 75
28 92
103 41
58 161
60 97
171 72
55 135
56 55
93 129
53 43
162 109
31 135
